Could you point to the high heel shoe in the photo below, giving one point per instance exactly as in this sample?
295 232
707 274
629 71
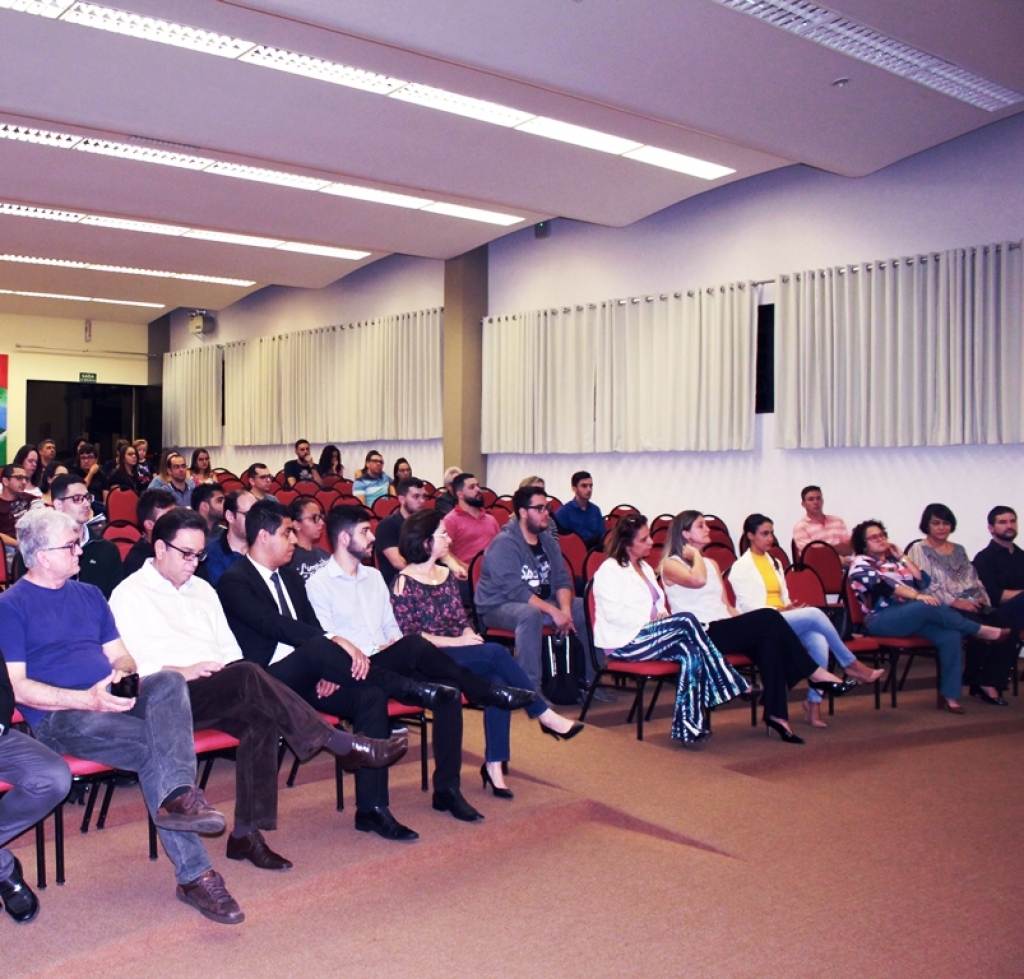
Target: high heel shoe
944 704
788 736
832 687
568 736
487 780
988 698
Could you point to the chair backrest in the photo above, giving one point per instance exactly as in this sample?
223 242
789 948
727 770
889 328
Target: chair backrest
654 558
575 552
722 539
306 488
489 495
621 510
780 555
500 513
231 484
716 522
804 585
854 612
594 559
384 506
122 530
662 520
223 474
589 612
429 487
121 504
554 505
825 559
730 595
721 554
286 496
326 498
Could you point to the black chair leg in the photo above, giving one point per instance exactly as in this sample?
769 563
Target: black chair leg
105 808
41 855
290 781
654 699
424 780
58 842
153 855
90 806
638 707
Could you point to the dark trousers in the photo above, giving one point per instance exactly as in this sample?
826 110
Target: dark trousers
765 637
243 701
991 664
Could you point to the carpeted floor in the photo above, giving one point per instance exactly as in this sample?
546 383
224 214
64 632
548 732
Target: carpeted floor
887 846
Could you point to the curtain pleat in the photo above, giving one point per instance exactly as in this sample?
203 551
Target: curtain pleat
192 397
916 351
375 380
658 373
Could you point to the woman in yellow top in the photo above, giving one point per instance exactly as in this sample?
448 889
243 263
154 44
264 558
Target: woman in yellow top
759 582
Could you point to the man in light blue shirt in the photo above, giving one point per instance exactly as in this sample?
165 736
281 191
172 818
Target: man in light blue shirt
374 482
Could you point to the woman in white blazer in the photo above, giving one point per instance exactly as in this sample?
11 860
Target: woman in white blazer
631 622
758 581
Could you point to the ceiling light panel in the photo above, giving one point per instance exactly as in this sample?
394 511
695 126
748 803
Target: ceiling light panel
324 71
66 263
471 214
122 224
142 154
79 299
678 162
40 213
461 105
591 139
153 29
377 196
231 239
261 175
41 8
326 250
831 30
26 134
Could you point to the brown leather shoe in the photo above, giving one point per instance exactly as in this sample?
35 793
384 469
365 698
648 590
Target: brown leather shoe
190 813
254 849
209 896
373 752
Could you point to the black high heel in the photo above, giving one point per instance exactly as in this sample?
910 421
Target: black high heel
568 736
832 687
994 701
487 780
788 736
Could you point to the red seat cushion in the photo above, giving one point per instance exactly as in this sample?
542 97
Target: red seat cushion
213 740
651 667
861 644
395 709
80 767
903 642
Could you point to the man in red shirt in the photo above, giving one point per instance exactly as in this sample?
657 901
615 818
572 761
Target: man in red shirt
470 528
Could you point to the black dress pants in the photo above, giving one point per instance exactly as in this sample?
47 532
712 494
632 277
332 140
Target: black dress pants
991 664
766 638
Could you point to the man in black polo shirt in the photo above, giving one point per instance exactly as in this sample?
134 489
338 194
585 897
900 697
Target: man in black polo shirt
1001 565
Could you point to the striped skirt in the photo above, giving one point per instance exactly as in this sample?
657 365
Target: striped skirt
705 678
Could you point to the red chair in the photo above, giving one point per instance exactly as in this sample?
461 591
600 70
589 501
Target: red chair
621 510
306 488
660 523
891 646
502 514
94 774
575 552
326 498
223 475
117 529
429 487
554 505
594 559
489 496
231 485
639 673
286 496
825 559
780 555
121 504
722 539
384 506
721 554
330 480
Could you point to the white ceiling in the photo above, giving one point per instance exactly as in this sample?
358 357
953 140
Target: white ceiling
684 75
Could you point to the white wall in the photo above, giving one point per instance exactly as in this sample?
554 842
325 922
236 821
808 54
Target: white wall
116 355
965 192
398 284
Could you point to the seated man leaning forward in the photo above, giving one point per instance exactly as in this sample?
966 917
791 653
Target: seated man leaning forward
352 600
524 584
171 620
63 652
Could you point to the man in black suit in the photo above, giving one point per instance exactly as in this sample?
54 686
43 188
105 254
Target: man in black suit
289 643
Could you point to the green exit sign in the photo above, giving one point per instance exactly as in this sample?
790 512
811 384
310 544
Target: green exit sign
86 377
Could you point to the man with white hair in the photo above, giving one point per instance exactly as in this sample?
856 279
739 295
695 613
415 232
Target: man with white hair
63 654
447 501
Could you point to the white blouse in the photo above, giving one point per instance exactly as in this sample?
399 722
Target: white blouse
706 602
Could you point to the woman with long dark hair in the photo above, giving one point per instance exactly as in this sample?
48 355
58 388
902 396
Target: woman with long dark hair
28 458
330 462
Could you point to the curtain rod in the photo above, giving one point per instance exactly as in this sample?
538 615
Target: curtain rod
63 351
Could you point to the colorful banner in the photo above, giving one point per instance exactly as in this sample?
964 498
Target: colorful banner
3 409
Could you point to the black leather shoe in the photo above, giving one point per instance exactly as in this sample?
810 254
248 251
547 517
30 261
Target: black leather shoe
421 694
994 701
451 800
830 686
19 901
254 849
507 698
373 752
381 822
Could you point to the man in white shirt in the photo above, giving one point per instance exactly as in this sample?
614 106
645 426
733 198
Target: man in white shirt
351 600
171 620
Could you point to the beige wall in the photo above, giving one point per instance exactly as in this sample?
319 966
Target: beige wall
116 355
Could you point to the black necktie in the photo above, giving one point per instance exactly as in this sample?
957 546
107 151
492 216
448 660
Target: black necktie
281 600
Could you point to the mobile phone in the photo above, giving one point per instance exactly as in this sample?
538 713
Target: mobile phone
127 686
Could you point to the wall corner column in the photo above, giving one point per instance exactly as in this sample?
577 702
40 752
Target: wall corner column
465 305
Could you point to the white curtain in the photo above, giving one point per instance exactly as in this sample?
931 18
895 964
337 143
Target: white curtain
192 397
378 380
907 352
658 373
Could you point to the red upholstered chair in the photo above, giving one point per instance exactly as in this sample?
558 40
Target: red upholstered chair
575 552
326 498
93 774
306 488
660 524
620 671
721 554
384 506
825 559
121 504
489 495
500 513
286 496
594 559
888 646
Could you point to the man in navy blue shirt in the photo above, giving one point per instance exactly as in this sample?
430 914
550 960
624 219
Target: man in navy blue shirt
579 515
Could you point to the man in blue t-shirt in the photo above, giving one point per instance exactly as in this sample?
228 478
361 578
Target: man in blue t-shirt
579 515
63 653
373 482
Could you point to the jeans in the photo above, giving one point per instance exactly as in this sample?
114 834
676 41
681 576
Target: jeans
528 624
493 662
943 627
819 636
153 739
40 781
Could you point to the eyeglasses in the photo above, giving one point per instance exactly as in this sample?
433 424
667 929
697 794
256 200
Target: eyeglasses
314 517
875 538
79 498
17 476
75 547
537 506
197 556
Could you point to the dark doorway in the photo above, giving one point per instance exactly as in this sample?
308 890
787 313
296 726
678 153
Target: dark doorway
102 413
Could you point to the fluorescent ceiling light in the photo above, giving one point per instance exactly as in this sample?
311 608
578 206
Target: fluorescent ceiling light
832 30
80 299
324 71
326 250
461 105
678 162
578 135
264 56
378 196
471 214
153 29
141 154
260 174
26 134
66 263
152 227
